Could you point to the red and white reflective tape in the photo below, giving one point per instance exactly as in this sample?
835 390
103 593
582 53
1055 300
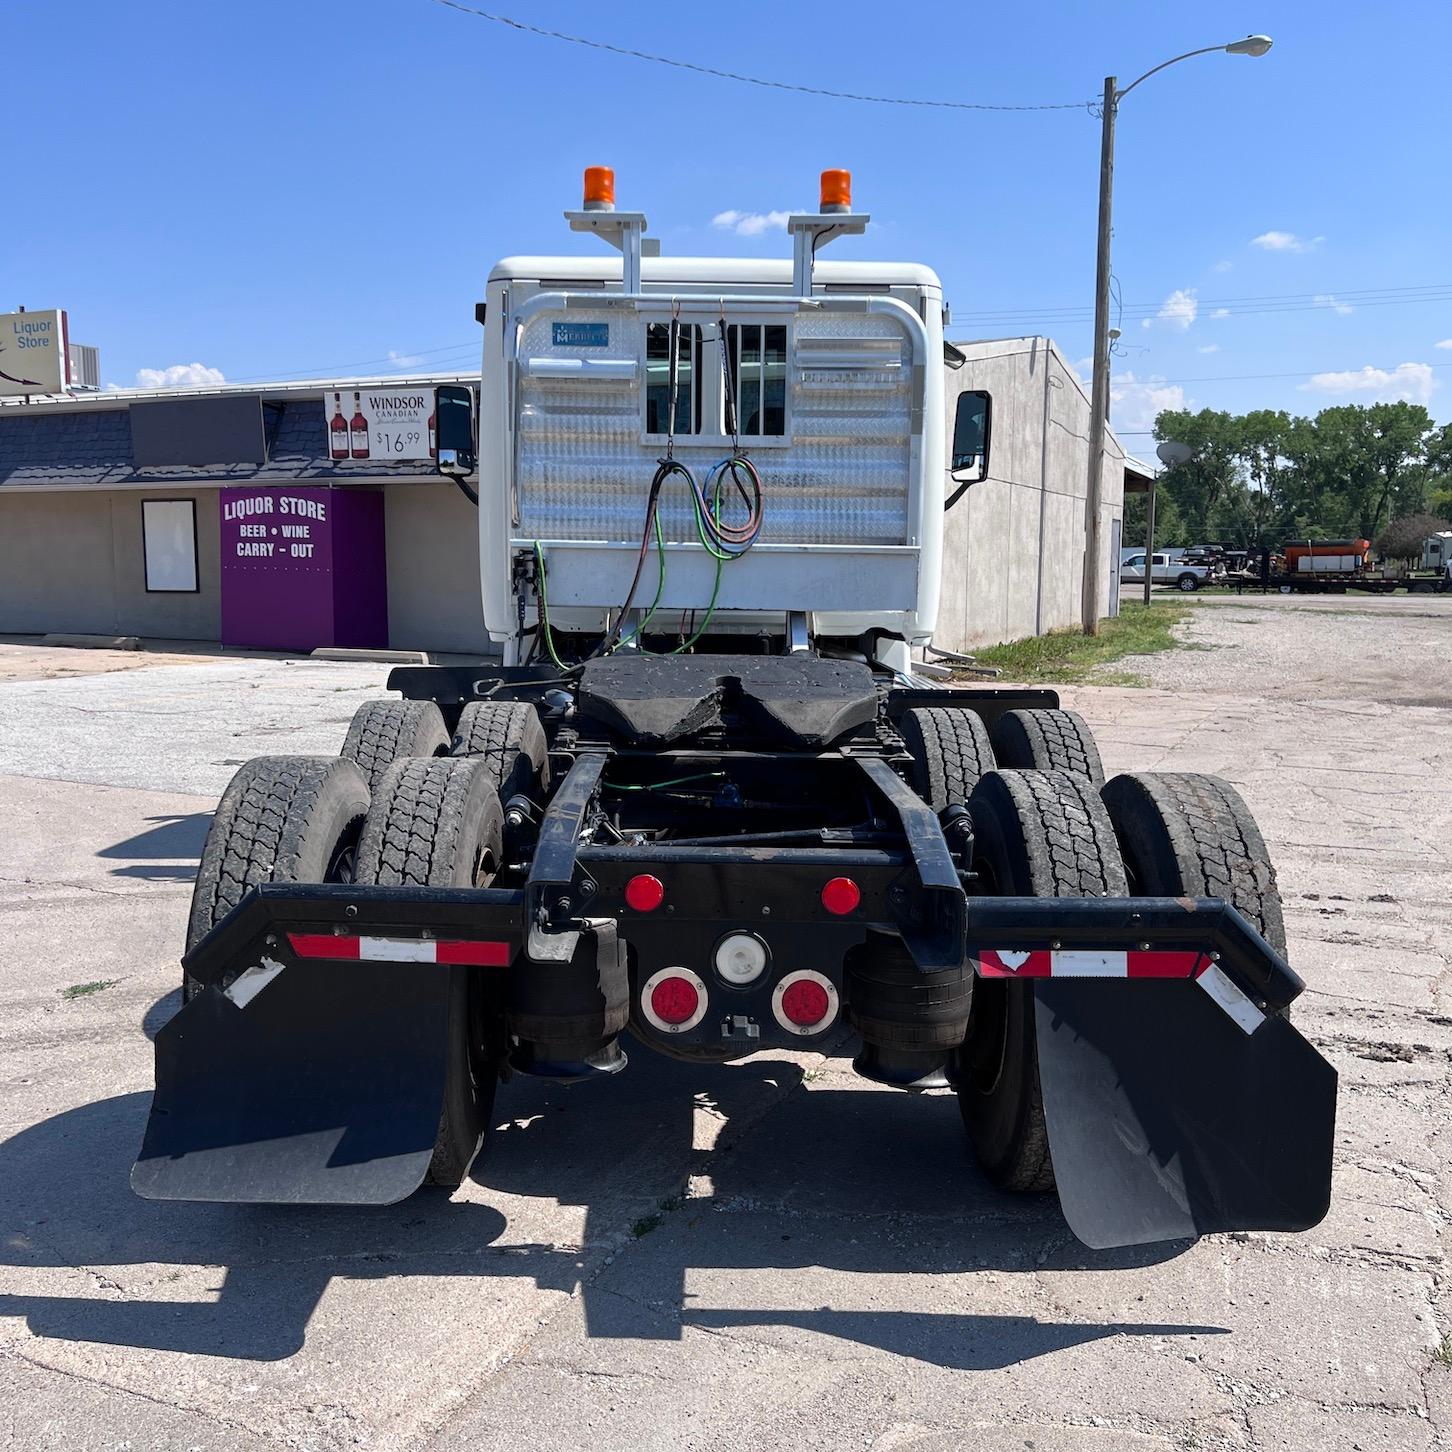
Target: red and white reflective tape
1131 963
473 953
1090 963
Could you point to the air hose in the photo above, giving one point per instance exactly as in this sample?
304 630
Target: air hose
723 540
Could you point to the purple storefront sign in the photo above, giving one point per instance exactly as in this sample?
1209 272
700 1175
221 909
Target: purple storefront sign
303 568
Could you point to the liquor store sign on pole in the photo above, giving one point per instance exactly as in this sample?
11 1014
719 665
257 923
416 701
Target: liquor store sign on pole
380 423
34 356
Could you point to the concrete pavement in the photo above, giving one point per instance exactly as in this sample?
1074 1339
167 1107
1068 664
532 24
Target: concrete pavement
772 1254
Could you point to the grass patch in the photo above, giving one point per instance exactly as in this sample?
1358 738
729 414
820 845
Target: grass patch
84 990
654 1220
1069 657
1443 1353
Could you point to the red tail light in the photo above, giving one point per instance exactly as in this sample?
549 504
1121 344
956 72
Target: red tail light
805 1002
841 896
673 1000
644 893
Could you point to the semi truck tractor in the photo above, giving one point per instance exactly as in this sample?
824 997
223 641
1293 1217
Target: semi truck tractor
705 807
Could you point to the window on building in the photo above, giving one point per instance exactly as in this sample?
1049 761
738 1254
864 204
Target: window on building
756 359
658 376
169 544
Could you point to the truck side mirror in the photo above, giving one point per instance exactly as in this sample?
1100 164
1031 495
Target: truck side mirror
972 437
454 426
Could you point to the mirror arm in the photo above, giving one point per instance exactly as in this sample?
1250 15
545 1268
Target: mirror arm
465 489
959 492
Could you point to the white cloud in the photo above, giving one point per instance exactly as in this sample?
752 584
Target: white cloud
1224 265
1220 313
1330 300
1445 343
1135 402
1285 242
403 360
1411 382
750 224
1208 348
1179 309
179 375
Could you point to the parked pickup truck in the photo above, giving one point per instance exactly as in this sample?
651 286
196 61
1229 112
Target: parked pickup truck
1182 574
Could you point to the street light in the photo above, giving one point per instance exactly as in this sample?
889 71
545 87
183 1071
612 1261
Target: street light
1253 45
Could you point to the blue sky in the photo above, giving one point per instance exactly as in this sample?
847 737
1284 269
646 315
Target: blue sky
294 189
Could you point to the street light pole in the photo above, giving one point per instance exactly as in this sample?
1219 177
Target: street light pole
1252 45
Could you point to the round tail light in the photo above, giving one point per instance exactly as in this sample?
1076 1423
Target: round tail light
644 893
673 1000
841 896
805 1002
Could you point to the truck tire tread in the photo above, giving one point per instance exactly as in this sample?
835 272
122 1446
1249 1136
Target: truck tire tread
1186 834
382 732
1043 834
437 822
281 819
950 748
1044 739
506 737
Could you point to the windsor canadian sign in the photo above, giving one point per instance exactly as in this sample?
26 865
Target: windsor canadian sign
34 353
379 423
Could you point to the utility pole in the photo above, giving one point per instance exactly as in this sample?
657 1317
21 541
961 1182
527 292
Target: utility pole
1099 402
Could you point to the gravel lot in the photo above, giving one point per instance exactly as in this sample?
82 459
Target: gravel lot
768 1255
1307 648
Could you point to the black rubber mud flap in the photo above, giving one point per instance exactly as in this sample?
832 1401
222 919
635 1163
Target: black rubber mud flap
1169 1118
326 1086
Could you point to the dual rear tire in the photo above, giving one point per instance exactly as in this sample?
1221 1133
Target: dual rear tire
1046 824
1050 834
393 810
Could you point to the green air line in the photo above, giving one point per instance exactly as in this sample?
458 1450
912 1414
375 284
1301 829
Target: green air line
638 632
544 606
656 786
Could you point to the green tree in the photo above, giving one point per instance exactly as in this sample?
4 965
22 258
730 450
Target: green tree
1169 527
1263 437
1439 471
1357 467
1200 483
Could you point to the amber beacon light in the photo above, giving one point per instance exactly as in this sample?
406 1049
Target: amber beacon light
836 191
599 189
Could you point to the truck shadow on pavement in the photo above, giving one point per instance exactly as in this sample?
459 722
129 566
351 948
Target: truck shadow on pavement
804 1186
166 852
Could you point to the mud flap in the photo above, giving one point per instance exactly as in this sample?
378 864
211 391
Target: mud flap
326 1087
1169 1116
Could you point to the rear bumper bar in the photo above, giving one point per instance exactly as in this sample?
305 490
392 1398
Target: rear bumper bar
1205 939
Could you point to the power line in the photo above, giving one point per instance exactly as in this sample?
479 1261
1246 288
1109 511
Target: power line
1308 373
1232 307
1246 298
336 369
664 60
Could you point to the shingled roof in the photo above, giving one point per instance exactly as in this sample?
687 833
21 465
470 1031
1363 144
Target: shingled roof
51 448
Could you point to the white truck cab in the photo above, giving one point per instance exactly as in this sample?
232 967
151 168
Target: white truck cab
834 374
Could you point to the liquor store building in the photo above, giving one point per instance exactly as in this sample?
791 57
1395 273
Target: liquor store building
284 517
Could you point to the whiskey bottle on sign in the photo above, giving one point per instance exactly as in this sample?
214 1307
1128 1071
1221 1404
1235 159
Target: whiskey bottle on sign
433 436
338 430
358 429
